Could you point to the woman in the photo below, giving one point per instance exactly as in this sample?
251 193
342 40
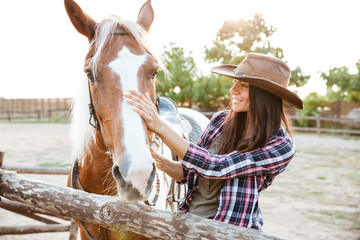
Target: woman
241 151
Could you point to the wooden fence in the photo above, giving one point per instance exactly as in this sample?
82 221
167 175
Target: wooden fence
113 214
37 109
51 224
321 125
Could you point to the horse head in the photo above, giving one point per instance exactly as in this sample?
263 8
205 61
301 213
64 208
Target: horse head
119 59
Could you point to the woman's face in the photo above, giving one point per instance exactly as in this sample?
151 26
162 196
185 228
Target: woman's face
240 96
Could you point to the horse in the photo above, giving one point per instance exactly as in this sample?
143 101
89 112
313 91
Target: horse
110 141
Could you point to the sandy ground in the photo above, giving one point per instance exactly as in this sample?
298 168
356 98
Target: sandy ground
317 197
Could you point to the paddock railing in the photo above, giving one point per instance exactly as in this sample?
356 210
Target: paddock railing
115 215
37 109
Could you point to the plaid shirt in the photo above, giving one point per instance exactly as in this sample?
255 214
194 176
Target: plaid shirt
246 174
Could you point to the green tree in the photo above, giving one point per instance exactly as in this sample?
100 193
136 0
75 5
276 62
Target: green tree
236 38
313 105
183 74
211 91
297 78
348 85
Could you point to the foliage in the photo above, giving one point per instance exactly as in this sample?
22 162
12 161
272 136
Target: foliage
348 85
211 91
313 104
183 71
186 87
297 78
233 41
236 38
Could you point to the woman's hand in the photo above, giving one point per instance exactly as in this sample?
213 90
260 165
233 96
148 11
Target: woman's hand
143 105
172 168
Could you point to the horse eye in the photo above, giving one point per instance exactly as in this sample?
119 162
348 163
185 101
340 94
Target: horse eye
90 76
155 73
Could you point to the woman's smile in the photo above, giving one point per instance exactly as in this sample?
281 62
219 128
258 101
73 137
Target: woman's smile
236 101
240 96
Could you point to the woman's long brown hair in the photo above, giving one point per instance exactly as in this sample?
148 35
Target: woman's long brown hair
245 131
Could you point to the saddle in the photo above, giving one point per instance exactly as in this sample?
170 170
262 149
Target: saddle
169 113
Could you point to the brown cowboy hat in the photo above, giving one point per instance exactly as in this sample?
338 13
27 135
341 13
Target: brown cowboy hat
266 72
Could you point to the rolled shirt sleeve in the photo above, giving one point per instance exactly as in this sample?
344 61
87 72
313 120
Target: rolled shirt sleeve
271 158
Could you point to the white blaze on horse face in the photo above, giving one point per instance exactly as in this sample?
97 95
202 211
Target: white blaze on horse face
137 163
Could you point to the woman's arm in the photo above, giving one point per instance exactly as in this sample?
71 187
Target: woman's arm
272 158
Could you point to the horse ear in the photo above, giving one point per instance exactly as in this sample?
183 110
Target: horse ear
146 16
81 21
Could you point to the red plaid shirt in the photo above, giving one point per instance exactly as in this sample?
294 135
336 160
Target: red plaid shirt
246 174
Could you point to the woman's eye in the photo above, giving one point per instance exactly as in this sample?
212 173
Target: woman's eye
244 85
90 76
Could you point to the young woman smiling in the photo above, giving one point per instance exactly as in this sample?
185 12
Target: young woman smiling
242 150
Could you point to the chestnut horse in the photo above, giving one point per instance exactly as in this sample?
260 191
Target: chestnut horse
113 158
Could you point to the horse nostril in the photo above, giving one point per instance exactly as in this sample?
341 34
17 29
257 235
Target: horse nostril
118 176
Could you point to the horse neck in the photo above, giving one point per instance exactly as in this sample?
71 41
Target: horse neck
95 170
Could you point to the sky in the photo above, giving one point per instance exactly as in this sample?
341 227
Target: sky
42 55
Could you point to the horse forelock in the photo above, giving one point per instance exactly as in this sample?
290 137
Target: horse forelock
108 27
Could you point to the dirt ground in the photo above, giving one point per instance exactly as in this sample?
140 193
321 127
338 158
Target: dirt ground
317 197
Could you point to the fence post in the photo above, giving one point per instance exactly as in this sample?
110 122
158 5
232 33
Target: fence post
38 115
318 124
9 115
73 230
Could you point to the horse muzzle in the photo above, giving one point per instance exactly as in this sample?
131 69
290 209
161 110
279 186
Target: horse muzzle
134 183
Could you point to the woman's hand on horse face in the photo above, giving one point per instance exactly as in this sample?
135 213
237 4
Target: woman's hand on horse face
143 105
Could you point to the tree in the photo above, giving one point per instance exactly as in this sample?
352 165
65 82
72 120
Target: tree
313 105
236 38
346 85
211 91
184 72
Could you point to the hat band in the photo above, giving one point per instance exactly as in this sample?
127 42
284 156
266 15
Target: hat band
240 74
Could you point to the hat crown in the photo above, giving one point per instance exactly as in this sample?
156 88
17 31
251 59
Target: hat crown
263 66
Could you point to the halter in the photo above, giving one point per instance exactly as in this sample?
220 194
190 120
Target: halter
94 122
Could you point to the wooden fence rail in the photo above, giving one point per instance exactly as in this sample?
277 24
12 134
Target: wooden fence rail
34 104
345 122
34 109
36 115
115 215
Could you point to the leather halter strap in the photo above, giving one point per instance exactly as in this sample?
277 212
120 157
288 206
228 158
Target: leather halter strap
76 180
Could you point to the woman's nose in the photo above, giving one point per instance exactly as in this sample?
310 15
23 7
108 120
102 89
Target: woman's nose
233 89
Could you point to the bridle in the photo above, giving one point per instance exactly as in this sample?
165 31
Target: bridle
94 122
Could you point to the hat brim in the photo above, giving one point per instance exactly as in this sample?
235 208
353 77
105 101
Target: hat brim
264 83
